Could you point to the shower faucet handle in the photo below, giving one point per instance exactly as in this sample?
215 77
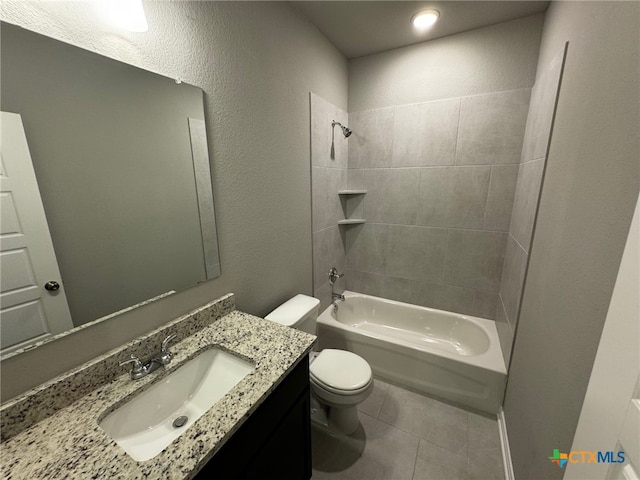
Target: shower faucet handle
334 275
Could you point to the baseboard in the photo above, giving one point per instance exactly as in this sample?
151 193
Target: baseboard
504 443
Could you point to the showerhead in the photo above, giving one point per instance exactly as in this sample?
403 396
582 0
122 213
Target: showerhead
345 130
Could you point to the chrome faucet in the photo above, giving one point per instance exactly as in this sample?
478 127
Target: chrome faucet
337 296
141 369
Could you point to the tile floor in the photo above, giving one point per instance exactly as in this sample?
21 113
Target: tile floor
404 435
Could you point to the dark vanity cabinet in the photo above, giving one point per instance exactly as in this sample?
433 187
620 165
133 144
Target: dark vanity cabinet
275 441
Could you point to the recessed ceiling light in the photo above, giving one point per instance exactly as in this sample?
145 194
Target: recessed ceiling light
425 19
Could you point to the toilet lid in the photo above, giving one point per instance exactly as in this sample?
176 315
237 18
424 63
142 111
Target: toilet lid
340 370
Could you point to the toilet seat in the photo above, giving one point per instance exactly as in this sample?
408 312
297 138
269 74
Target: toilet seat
340 372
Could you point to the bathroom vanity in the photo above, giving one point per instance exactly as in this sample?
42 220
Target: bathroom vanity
259 428
275 441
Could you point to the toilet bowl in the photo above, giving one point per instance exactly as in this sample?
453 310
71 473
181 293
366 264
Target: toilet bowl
339 379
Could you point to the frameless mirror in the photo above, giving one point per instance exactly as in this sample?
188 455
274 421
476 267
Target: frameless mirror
122 168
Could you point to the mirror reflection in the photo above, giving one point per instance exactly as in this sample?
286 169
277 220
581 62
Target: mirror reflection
122 171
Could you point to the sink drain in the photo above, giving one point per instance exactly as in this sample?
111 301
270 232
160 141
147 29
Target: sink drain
180 421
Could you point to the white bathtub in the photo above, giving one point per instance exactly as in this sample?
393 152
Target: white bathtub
449 355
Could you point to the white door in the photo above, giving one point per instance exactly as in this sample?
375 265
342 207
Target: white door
610 417
31 309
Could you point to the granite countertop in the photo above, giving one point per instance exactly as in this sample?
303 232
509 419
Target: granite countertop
69 443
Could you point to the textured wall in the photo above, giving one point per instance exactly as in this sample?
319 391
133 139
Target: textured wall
492 59
257 63
525 205
440 179
590 189
329 156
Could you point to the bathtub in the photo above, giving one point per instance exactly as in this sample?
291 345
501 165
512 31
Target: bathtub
452 356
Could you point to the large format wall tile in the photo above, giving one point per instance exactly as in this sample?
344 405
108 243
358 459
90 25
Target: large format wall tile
356 179
513 270
492 128
415 252
329 148
484 304
329 156
505 332
425 134
366 247
392 195
434 295
543 103
502 190
534 152
525 203
326 206
393 250
329 251
441 180
339 149
323 294
453 196
474 259
371 143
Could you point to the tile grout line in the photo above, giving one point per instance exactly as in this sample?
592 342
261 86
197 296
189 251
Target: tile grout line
414 435
415 461
486 203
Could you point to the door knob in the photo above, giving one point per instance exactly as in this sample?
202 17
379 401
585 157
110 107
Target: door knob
52 286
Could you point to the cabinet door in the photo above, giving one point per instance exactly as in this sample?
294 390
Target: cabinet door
287 453
275 441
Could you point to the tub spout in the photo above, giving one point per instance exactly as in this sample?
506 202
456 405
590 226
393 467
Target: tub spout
335 298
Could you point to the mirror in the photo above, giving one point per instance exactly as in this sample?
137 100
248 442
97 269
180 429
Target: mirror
122 167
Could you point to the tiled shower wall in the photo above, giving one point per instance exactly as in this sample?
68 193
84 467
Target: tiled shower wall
440 180
525 205
329 154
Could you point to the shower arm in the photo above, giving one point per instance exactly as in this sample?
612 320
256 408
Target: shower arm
346 131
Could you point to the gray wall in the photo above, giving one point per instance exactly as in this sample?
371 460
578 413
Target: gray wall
525 205
329 156
586 205
257 63
492 59
111 149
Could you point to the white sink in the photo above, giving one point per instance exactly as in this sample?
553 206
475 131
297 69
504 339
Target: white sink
144 426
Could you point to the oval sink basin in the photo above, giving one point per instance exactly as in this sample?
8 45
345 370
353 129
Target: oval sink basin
149 422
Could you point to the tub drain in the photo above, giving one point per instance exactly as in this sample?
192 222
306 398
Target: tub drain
180 421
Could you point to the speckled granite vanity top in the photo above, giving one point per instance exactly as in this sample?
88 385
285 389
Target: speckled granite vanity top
52 431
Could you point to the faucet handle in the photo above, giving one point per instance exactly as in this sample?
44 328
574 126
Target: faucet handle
165 354
334 275
165 343
138 367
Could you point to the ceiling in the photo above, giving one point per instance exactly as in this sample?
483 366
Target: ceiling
360 28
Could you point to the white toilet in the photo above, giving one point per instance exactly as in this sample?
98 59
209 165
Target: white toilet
340 380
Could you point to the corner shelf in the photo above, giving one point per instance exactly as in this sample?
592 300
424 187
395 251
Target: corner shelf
352 221
349 194
352 192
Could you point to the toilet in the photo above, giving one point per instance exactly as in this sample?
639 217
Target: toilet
339 379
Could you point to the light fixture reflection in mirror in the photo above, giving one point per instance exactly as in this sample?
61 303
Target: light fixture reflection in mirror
122 166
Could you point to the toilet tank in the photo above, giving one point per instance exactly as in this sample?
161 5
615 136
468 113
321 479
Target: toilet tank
300 312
